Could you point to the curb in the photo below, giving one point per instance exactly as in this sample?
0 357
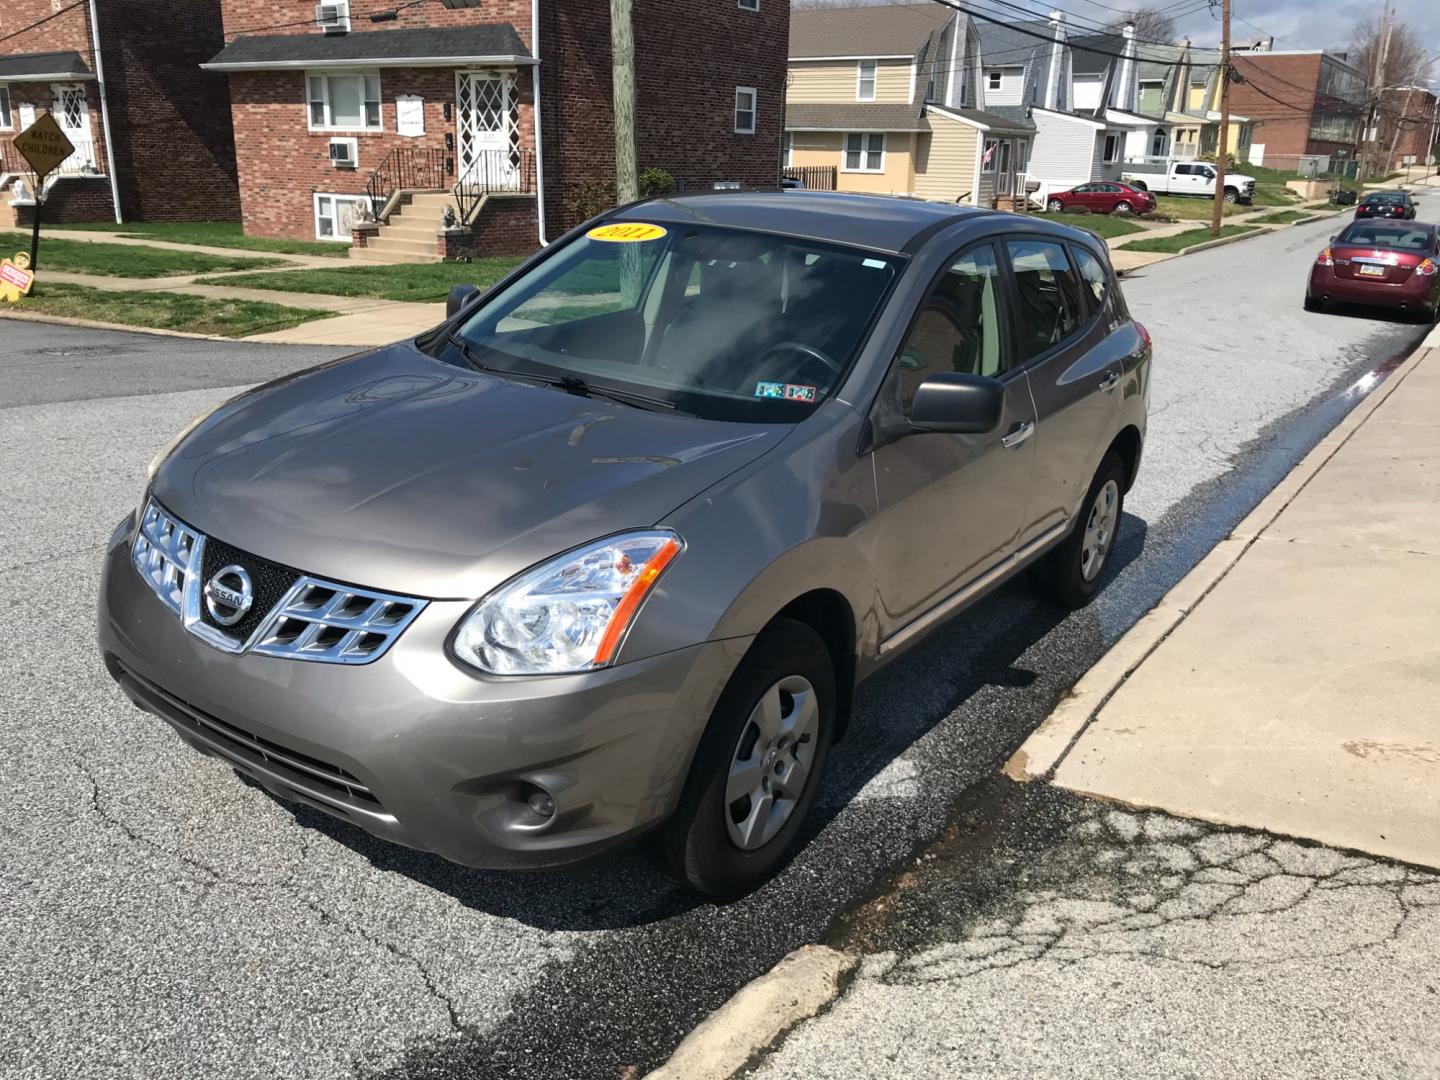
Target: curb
795 989
1041 754
1255 230
95 324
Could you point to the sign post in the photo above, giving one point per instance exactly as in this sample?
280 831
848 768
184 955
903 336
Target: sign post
44 146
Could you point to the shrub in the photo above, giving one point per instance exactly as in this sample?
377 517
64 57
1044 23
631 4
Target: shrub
592 197
656 182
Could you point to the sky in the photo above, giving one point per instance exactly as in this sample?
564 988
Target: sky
1295 24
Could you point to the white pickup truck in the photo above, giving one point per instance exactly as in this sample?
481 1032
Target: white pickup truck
1192 178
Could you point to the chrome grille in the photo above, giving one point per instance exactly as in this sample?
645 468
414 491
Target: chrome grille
313 619
338 624
165 553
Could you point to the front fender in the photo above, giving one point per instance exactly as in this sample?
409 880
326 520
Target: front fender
783 526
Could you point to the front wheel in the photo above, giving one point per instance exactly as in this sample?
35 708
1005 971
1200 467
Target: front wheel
1231 195
1069 575
1055 206
756 773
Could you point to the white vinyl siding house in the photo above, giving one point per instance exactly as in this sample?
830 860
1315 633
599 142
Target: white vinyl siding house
1067 149
1004 86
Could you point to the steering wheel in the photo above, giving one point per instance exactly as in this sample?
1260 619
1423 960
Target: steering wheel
803 349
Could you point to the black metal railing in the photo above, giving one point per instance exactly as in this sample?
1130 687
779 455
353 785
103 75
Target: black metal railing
489 172
814 177
407 168
10 159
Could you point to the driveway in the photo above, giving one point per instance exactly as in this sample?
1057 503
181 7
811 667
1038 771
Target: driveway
159 918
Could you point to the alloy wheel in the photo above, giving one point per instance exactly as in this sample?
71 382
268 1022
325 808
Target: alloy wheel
1056 206
1122 207
772 762
1099 530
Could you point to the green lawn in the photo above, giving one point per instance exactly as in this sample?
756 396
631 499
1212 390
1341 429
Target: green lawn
1275 195
422 283
1180 241
1186 208
1284 217
121 260
165 310
1106 226
225 234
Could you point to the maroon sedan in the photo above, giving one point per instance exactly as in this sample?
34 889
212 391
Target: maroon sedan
1392 264
1102 198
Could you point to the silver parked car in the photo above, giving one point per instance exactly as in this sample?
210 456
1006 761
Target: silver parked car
609 550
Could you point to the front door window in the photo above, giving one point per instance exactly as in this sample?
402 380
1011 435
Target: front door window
73 116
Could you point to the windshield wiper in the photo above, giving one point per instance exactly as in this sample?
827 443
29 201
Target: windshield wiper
571 384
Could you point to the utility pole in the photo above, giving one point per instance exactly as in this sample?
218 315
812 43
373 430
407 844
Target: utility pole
1377 81
1222 147
622 45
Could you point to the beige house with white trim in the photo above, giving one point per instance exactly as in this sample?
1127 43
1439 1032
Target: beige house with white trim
888 100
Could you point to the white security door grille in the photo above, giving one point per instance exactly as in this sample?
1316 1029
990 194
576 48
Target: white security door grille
73 117
488 135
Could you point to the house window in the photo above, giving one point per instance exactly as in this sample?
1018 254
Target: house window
333 16
7 121
744 110
1159 144
1112 149
789 146
749 5
865 80
344 102
334 214
865 152
994 79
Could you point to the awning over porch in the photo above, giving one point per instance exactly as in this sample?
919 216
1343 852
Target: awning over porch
494 43
44 67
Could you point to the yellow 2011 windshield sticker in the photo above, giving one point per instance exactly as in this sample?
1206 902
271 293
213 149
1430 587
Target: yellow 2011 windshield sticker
626 232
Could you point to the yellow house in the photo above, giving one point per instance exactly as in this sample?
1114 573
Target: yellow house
887 99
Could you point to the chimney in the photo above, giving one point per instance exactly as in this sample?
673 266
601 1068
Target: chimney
1054 96
1127 87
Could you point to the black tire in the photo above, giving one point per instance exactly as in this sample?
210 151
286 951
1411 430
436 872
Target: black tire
1055 206
1311 305
1232 195
1059 576
695 842
1122 207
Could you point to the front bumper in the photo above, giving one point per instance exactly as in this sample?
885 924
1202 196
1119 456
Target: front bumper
417 750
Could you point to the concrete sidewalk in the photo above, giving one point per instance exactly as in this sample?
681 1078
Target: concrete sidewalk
1299 692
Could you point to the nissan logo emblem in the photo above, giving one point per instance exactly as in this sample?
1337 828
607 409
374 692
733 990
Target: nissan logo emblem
228 595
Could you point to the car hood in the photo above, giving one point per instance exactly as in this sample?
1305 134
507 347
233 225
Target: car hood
400 472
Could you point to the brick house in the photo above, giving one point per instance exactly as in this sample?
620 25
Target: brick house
151 130
340 116
1305 104
1410 122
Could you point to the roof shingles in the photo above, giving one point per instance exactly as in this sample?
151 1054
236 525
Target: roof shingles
425 44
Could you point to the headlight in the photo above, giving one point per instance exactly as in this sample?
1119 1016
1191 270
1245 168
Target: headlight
569 614
167 450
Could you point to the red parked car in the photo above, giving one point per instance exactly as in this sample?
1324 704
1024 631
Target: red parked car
1393 264
1102 198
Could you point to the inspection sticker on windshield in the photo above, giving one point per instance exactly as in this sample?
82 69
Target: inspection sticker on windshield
626 232
785 391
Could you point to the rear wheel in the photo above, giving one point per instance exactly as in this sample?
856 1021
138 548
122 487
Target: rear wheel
1055 206
1122 207
1311 305
758 768
1069 575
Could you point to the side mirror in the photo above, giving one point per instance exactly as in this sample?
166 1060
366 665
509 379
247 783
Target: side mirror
460 295
957 403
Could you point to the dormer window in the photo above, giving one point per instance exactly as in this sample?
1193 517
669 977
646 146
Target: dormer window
865 80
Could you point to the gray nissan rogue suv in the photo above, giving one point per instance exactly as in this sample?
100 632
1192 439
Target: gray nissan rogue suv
609 550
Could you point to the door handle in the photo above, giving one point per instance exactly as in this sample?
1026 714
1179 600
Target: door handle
1110 381
1018 434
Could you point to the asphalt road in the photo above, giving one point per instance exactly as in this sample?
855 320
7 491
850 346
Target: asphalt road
160 919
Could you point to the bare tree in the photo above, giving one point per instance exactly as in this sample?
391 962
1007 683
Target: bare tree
1151 24
1406 64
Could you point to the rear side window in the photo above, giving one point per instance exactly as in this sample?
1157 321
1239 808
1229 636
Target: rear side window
1050 292
1092 273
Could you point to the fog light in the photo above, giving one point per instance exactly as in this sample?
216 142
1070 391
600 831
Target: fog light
541 803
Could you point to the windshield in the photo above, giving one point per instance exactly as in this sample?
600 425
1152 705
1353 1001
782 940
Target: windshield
1385 200
1396 237
720 323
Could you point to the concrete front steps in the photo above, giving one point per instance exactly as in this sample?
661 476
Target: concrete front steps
412 233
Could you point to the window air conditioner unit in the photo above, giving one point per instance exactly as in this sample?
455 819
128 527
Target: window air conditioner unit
345 153
333 18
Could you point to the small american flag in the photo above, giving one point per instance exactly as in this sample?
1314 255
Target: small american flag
989 153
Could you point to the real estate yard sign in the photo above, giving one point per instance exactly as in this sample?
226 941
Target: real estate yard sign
44 146
15 279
